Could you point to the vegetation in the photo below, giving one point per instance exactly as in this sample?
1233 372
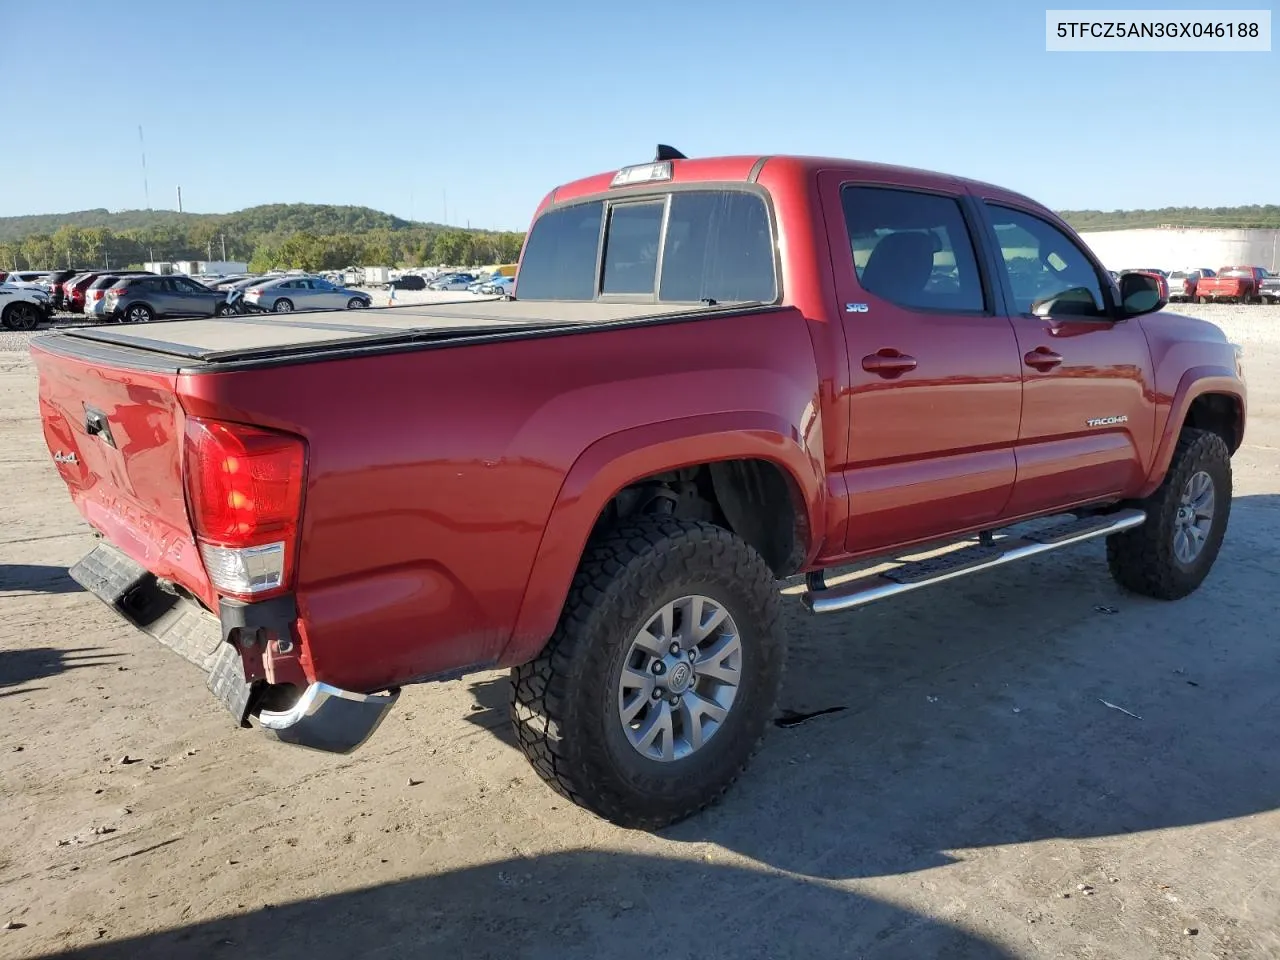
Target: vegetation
1264 217
275 236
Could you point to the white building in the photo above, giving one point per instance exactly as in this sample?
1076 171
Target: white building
1173 248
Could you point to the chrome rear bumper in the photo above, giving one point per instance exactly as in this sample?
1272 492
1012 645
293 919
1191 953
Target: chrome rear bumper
327 718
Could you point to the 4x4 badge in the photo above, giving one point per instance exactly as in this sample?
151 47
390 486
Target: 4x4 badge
60 457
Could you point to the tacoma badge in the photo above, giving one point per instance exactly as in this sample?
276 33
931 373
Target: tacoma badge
1106 421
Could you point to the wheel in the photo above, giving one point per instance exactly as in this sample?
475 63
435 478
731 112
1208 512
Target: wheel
355 303
1170 555
22 316
653 693
139 313
282 306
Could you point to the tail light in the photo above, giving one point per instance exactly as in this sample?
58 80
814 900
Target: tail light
118 291
244 490
255 292
98 293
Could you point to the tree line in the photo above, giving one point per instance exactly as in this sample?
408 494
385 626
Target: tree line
276 236
1265 217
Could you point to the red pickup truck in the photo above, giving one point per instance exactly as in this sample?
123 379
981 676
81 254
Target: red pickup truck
1233 284
714 373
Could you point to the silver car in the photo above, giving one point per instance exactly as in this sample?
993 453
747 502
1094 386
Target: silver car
285 294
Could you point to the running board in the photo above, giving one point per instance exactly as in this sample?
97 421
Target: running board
958 563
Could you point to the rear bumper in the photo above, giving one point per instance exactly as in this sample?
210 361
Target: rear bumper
323 717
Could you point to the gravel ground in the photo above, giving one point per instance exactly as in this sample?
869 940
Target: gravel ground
972 797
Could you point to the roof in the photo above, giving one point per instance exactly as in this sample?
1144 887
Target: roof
750 166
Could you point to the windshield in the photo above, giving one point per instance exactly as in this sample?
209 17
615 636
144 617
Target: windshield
685 246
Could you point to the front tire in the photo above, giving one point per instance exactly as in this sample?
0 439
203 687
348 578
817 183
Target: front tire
355 303
22 316
282 305
1170 555
652 695
139 313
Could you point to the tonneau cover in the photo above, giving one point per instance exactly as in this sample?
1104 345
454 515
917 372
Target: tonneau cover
258 335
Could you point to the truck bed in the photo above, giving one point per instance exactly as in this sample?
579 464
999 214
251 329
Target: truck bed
272 337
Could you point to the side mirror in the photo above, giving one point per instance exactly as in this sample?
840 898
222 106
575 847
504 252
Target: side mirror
1142 293
1072 302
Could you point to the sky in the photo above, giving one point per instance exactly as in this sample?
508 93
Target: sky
470 113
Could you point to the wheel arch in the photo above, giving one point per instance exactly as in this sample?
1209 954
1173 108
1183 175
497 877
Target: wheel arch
749 461
1209 398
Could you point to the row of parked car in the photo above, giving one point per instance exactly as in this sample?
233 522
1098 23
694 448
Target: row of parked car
496 285
140 296
1225 285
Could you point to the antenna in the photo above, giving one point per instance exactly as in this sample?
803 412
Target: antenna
665 152
146 192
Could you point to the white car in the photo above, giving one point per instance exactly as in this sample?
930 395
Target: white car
23 306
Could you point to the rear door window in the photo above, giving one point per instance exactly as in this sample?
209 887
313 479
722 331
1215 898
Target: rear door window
912 249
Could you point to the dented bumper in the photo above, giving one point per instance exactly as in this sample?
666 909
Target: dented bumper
322 717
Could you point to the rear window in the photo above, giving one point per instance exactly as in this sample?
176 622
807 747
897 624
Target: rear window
686 246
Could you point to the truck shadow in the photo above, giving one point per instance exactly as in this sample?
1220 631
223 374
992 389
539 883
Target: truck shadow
36 663
972 714
975 715
576 904
19 578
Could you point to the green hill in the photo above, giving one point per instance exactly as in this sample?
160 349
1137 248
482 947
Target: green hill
307 235
1266 217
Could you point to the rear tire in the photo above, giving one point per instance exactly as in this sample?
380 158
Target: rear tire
1170 555
570 706
283 305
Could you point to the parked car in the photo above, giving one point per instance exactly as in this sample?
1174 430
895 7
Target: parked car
409 281
73 291
1269 288
1232 285
499 286
1183 283
144 298
19 277
55 282
287 294
452 281
95 295
607 510
23 306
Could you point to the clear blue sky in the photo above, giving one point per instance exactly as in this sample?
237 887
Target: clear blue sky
393 104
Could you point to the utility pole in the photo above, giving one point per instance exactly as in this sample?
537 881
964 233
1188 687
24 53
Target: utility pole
179 198
224 247
445 194
146 192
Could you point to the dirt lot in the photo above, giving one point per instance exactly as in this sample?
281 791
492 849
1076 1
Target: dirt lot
971 784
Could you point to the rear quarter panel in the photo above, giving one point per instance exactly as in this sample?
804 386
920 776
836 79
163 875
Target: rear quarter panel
433 474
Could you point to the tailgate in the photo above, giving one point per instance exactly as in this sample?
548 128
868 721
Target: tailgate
116 438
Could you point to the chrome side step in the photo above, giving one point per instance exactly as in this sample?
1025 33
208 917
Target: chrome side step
958 563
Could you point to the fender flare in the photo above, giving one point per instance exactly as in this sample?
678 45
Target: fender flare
1195 383
620 459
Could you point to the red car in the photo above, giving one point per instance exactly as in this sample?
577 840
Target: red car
714 373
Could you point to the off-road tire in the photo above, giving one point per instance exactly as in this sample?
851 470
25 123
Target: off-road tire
563 704
1142 560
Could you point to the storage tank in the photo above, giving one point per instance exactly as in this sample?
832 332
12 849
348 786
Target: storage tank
1173 248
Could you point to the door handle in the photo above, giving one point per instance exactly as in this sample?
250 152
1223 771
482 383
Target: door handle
888 363
1042 358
